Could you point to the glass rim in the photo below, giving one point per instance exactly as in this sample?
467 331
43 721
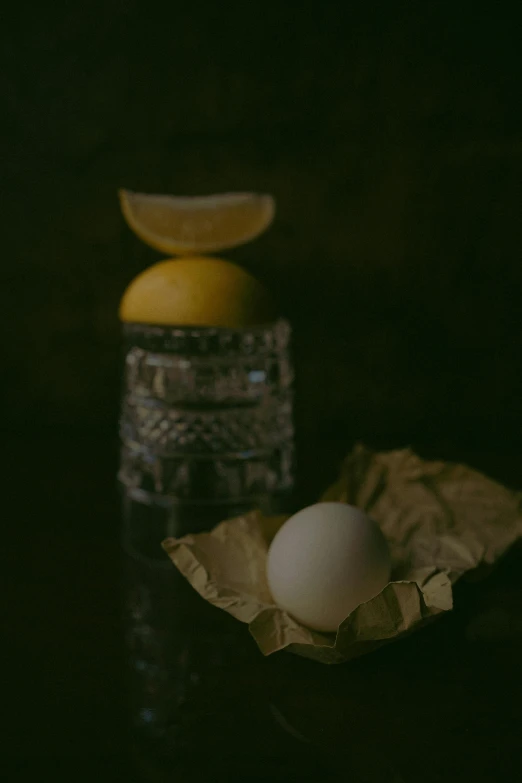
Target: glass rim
209 341
181 330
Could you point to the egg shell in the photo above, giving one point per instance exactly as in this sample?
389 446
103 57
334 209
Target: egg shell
325 561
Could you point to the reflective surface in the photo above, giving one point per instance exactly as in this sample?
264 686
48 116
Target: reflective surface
171 634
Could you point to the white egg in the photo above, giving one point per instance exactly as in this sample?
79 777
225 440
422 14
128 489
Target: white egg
326 560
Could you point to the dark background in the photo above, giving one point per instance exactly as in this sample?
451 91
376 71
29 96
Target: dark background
391 140
390 136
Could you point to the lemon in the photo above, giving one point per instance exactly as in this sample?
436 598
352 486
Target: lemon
197 291
207 224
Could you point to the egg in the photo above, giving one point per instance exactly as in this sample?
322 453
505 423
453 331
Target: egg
325 561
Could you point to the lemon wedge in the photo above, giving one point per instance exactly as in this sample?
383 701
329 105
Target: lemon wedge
197 291
203 224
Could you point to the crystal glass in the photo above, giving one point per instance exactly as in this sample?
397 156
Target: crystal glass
206 433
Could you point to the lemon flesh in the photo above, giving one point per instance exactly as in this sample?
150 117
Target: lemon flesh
197 291
204 224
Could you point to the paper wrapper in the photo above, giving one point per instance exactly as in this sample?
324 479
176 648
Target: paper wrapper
441 521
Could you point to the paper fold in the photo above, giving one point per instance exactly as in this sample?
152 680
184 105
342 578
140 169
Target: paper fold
441 520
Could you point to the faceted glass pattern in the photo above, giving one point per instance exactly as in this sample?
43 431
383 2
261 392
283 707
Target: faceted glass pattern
207 413
206 434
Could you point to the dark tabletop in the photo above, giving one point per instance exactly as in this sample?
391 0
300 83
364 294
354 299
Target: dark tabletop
442 705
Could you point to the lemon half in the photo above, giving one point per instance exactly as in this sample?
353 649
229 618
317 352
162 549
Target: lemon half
197 291
204 224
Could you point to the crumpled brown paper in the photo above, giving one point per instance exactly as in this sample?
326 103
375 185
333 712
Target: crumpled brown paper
441 521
